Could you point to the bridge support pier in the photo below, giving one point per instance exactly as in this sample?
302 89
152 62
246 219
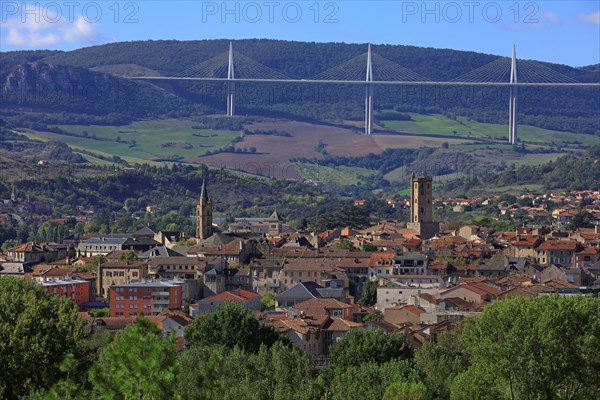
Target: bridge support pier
230 99
230 84
369 95
369 110
512 103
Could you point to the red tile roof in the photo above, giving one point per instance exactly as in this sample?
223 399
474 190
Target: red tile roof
588 251
568 245
51 271
236 295
413 309
320 306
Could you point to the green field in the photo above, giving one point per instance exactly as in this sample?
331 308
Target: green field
441 125
143 140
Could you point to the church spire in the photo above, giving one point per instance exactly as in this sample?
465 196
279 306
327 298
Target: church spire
203 214
203 191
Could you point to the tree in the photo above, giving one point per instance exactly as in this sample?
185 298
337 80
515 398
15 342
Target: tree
129 255
363 346
368 247
277 372
267 301
373 316
138 364
9 244
36 330
231 325
405 391
345 244
543 348
582 219
65 389
439 363
365 381
369 294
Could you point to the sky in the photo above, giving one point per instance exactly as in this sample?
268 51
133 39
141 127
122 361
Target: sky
564 32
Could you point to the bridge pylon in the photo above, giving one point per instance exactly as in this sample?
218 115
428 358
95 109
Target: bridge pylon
369 95
512 103
230 83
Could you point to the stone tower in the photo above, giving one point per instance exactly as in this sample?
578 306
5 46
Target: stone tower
203 215
421 207
421 197
275 224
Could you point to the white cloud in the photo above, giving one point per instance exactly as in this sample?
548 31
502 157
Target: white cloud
549 16
35 31
593 17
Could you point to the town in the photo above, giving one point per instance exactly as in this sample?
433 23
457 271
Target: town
289 201
316 286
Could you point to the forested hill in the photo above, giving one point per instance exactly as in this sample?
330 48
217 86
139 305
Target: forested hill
547 107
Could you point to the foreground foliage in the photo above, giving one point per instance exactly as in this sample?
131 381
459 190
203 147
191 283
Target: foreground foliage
36 332
539 349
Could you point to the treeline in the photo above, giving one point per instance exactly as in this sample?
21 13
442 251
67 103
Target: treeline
126 192
270 132
229 354
221 123
59 151
572 172
386 161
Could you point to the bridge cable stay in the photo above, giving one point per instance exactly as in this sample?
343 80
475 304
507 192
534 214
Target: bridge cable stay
495 71
356 68
218 67
530 71
374 68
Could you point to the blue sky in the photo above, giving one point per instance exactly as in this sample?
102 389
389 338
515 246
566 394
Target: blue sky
566 32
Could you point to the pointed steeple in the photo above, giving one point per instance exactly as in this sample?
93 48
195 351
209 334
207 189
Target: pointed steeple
275 216
275 224
203 214
203 191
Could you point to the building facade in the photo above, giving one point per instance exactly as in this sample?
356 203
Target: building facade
78 290
148 298
117 273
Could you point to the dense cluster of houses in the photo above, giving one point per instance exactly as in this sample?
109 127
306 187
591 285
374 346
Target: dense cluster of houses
421 283
423 286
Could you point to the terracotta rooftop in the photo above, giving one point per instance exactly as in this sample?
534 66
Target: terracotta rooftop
568 245
320 306
340 324
236 295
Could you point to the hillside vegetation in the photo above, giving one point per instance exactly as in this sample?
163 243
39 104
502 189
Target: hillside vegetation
68 73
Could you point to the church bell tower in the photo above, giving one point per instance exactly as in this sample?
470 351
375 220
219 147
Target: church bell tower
203 214
421 207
